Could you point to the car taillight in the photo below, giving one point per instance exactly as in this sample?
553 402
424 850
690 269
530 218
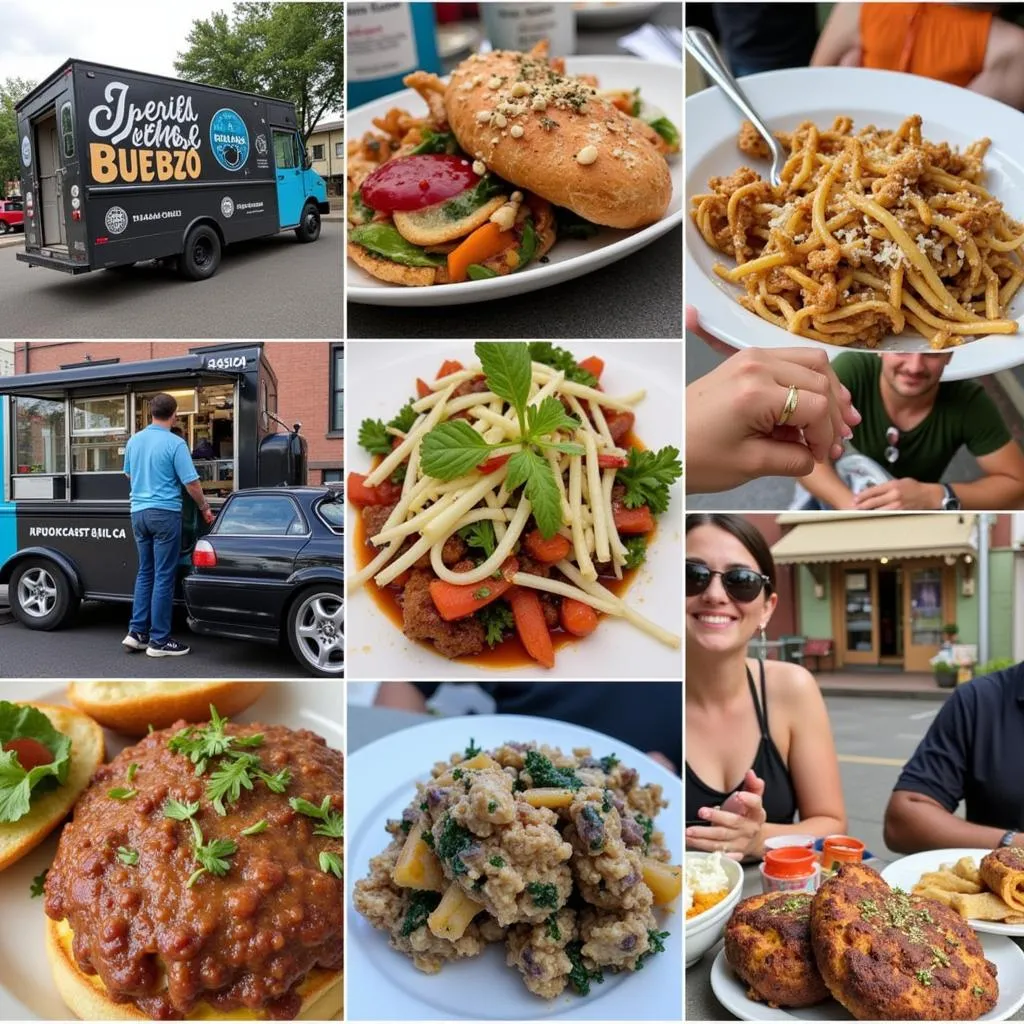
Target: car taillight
203 555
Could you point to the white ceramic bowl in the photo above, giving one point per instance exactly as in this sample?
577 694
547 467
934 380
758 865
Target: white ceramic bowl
704 930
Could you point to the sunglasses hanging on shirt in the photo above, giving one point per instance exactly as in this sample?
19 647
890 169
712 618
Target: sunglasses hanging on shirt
892 440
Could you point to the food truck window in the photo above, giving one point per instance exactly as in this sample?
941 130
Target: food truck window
286 149
40 429
262 515
99 432
67 132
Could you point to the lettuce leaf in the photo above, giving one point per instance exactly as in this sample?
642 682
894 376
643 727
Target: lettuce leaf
19 721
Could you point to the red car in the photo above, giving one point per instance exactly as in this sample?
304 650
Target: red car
12 215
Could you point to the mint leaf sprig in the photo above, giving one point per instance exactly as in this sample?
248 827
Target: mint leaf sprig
454 448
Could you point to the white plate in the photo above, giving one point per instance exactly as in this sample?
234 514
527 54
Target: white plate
384 985
907 871
26 984
883 98
661 85
382 377
608 15
1003 952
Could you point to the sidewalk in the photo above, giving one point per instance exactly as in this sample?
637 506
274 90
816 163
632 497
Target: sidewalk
914 685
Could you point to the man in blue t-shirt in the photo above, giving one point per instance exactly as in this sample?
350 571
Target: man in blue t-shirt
158 464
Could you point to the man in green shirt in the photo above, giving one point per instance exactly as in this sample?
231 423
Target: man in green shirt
912 425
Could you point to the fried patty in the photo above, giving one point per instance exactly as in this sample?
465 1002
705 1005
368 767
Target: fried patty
888 955
768 944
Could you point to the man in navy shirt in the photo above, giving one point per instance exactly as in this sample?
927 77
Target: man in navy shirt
974 751
158 465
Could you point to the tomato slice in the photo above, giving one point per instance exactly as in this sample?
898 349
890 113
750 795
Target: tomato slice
413 182
30 753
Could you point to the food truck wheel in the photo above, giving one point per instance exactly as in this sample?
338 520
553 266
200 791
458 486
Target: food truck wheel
309 224
316 629
201 256
41 595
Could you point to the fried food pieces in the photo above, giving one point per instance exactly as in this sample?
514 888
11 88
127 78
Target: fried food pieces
975 893
1003 872
888 955
768 944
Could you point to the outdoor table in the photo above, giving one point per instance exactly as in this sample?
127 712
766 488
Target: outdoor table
640 296
701 1003
762 648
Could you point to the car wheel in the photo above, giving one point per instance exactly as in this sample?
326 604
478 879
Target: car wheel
4 227
41 596
309 225
316 629
201 256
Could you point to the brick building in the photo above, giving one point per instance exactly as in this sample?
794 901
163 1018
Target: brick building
310 381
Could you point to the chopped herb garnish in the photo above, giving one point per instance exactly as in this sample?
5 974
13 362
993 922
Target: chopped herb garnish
333 821
457 774
38 886
496 862
423 806
608 763
330 862
636 552
551 928
126 856
498 622
561 359
480 535
579 976
428 838
454 841
472 750
254 830
606 801
482 594
647 824
925 977
422 903
180 811
656 942
544 894
122 793
405 826
227 781
592 816
492 806
648 476
212 856
132 769
544 774
977 990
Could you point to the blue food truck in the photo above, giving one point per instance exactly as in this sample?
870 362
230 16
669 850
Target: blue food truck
119 166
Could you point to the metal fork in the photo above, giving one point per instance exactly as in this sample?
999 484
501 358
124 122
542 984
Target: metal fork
702 47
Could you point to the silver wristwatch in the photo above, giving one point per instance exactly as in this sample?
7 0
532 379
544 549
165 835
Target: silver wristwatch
1008 837
950 502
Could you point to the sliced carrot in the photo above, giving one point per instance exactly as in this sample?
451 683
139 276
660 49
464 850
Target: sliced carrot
612 461
632 520
493 463
547 549
624 103
531 627
449 366
359 494
456 600
577 618
620 424
422 388
594 365
487 241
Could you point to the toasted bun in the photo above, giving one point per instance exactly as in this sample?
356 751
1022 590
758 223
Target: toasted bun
50 809
628 184
86 995
131 707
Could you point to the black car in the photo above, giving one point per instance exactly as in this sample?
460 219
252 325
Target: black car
270 569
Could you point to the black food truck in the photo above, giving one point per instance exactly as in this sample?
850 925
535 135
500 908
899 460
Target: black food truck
65 517
119 166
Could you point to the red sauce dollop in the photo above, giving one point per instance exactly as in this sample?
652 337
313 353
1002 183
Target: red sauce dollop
413 182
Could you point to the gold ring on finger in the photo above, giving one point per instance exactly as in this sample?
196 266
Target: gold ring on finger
792 397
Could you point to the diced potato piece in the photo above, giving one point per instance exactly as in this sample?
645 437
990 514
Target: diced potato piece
664 880
453 914
417 866
548 796
480 761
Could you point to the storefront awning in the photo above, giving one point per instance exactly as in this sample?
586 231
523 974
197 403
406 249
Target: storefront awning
862 536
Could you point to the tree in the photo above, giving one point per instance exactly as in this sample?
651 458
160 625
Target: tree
11 90
294 51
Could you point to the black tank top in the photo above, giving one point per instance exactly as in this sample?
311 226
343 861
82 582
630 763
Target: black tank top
779 796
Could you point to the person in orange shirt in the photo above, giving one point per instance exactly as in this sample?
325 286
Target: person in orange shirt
963 44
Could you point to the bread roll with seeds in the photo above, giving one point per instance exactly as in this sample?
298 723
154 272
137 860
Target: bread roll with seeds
554 135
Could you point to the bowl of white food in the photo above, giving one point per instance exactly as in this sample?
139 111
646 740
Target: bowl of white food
707 875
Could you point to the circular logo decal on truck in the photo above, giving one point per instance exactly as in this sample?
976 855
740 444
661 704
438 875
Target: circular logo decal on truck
227 206
26 151
229 139
116 220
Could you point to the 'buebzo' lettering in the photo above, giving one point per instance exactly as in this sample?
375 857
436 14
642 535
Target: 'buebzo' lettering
108 164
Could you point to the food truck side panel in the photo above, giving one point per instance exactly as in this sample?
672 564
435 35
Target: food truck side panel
8 520
159 155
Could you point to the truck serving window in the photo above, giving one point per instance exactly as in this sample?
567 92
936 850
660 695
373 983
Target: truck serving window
99 432
284 150
40 428
67 132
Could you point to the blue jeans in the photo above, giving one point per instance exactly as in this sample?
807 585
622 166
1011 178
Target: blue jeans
158 541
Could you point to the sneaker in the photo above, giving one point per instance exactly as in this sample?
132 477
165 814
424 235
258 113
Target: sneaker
169 649
136 641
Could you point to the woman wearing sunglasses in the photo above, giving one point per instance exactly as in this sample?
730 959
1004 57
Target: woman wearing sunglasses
759 749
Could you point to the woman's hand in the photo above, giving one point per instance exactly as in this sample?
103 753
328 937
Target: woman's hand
732 413
737 835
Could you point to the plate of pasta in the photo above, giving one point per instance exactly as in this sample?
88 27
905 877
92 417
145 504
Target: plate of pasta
894 228
512 867
515 507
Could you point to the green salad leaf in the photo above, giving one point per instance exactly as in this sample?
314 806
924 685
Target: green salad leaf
20 721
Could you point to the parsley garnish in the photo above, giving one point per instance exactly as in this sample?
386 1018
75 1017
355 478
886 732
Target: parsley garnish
422 903
480 535
647 824
454 448
126 856
457 774
545 774
592 816
657 945
454 841
333 821
229 779
122 793
132 769
552 930
608 763
492 806
496 862
544 894
212 857
648 476
405 419
472 750
427 837
579 977
405 826
498 622
482 594
561 359
330 862
254 830
201 743
180 811
38 886
374 437
636 552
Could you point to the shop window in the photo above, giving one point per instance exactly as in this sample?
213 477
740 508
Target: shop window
337 387
262 515
40 433
99 432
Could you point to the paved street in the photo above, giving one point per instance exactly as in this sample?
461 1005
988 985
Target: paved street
874 737
268 288
772 493
91 649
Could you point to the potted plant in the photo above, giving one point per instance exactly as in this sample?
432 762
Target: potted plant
951 631
945 675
